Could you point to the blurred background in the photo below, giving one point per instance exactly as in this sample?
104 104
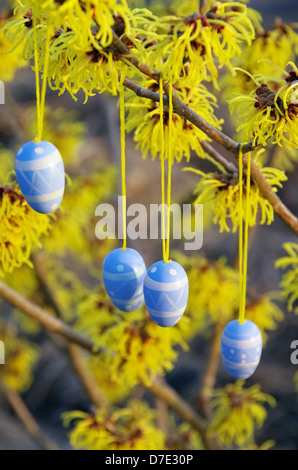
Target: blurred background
94 143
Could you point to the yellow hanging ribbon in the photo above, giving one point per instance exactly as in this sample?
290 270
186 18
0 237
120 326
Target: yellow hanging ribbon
40 93
243 243
169 169
166 236
162 168
123 161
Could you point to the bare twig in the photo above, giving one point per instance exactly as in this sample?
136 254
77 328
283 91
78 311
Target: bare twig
75 353
90 385
162 411
39 269
228 165
27 418
51 323
209 376
171 397
55 325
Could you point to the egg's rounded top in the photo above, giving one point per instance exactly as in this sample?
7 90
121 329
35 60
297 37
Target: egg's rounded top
166 272
241 331
36 150
119 261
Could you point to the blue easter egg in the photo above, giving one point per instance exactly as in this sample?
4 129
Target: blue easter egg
241 348
166 292
123 277
40 174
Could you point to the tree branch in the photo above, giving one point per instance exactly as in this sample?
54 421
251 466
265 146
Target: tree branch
228 165
51 323
266 190
27 418
209 376
171 397
55 325
89 383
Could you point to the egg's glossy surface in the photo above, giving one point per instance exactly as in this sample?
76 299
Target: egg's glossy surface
40 174
123 276
166 292
241 348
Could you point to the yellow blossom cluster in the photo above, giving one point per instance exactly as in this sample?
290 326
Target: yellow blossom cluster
270 110
289 283
222 191
144 119
268 54
264 313
130 428
21 229
238 411
136 348
20 357
213 293
192 48
80 38
11 56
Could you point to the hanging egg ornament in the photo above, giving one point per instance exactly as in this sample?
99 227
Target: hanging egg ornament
166 292
241 348
40 174
123 277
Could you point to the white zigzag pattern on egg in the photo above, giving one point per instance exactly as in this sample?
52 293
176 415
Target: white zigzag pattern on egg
121 285
36 175
164 295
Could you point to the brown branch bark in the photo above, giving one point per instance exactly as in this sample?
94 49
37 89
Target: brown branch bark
180 108
75 352
210 372
27 418
55 325
171 397
49 322
278 206
228 165
89 383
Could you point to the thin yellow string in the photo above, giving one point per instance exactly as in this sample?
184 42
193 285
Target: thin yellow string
241 317
40 93
169 170
162 167
44 82
123 163
37 87
243 248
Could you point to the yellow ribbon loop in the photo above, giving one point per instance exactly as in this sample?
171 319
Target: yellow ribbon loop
123 162
40 91
166 235
243 241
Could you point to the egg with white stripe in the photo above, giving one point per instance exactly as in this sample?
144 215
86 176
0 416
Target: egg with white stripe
40 174
166 292
123 277
241 348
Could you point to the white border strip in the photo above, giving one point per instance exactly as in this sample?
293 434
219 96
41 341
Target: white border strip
242 344
39 163
165 286
136 273
45 197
